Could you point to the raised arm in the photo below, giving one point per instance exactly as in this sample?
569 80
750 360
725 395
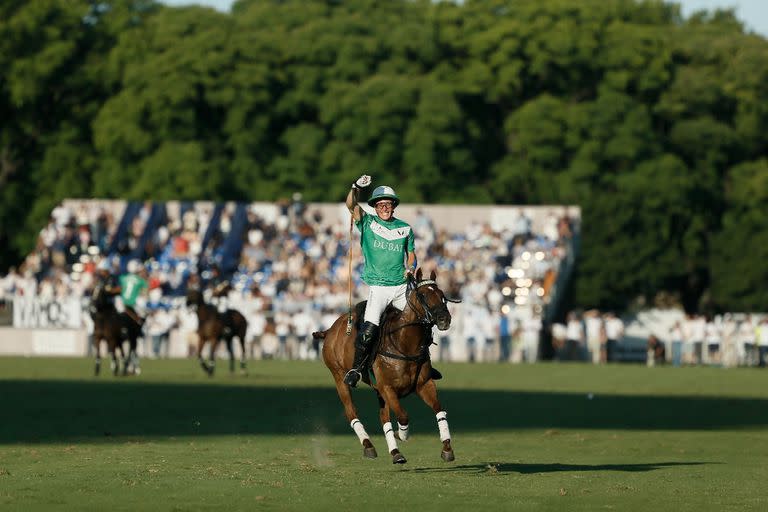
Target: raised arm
352 206
352 197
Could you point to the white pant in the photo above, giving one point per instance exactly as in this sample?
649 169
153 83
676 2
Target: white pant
379 297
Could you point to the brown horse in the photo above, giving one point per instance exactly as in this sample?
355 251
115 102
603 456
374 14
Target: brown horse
213 327
114 328
400 363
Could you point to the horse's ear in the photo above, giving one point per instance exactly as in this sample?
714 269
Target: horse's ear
433 275
418 274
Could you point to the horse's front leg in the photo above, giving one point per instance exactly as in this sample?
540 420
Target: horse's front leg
231 351
201 339
388 399
428 393
351 413
114 365
212 356
243 369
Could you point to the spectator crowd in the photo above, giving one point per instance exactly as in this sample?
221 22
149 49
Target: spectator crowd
290 274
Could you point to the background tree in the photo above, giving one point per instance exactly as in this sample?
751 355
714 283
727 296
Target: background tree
654 124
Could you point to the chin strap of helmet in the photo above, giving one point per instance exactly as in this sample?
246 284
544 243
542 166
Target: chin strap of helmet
349 278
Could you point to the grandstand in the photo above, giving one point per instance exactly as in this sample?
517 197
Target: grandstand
283 259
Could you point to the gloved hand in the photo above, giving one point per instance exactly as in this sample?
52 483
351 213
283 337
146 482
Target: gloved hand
363 181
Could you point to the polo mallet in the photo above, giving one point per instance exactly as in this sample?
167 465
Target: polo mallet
349 278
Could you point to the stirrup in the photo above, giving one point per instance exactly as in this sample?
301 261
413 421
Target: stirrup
352 377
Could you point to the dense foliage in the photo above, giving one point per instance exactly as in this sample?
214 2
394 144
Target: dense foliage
656 125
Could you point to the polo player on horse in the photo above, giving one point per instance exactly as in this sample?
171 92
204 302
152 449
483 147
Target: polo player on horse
387 245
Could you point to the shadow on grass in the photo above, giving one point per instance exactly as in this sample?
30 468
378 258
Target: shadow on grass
555 467
57 410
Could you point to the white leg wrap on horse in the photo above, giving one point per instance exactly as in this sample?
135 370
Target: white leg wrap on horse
402 431
442 424
389 435
359 429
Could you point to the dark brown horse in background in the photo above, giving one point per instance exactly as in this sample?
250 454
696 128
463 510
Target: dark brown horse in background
213 327
400 363
114 328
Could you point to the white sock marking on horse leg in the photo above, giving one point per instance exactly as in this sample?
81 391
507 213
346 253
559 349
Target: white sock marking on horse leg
359 429
442 424
389 435
402 431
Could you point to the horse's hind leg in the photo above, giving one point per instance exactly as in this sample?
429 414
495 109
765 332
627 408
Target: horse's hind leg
126 357
135 363
97 349
212 356
351 413
243 369
388 398
114 365
428 393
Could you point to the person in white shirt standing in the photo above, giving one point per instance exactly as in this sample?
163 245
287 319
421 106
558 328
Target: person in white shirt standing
676 339
762 342
713 338
746 340
574 343
595 335
614 332
531 327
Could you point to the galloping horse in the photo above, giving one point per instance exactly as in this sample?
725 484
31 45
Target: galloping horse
213 327
114 328
400 363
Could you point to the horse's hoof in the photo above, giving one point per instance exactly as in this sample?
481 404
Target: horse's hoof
370 453
398 458
448 456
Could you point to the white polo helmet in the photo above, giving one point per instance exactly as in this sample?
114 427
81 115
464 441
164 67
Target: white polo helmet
383 192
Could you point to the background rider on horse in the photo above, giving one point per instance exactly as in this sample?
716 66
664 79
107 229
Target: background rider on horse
388 249
132 287
217 288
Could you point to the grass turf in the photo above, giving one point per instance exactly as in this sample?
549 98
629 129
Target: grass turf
526 438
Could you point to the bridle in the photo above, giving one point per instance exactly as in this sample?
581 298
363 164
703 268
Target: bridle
426 321
429 314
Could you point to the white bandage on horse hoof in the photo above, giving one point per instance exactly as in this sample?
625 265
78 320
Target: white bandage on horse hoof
359 429
442 424
402 432
389 435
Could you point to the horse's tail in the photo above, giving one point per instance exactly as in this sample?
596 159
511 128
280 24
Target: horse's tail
319 335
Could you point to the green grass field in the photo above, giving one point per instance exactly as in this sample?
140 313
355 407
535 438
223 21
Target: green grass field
526 438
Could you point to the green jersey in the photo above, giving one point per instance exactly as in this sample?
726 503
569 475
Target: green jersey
385 246
131 287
